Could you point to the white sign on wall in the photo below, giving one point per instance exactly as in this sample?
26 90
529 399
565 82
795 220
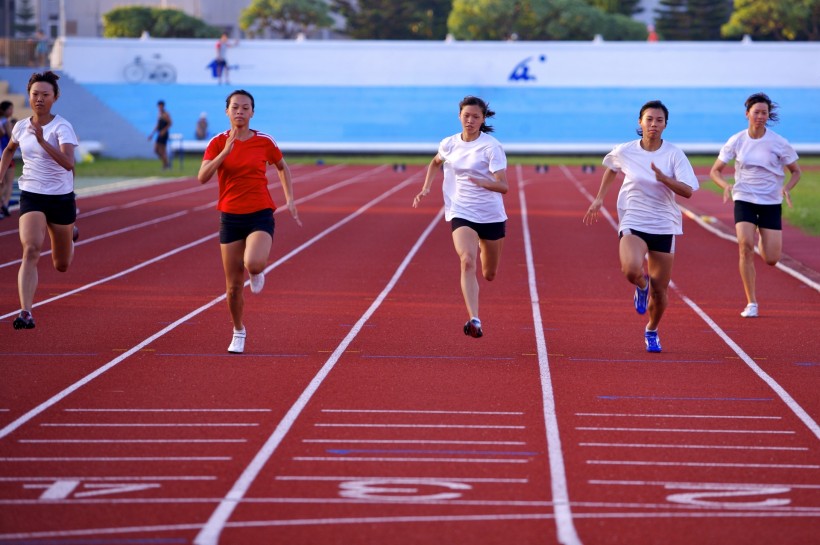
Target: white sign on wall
425 63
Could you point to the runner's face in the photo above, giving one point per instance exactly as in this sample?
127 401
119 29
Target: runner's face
758 115
471 118
41 97
653 122
239 110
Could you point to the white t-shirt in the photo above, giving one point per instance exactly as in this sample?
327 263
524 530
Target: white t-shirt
759 164
476 160
644 203
41 173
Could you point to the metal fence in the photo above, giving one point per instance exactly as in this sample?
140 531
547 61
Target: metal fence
21 52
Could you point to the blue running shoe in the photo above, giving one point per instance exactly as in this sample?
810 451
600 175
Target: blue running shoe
653 342
642 297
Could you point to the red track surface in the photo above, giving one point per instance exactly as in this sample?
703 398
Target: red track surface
360 413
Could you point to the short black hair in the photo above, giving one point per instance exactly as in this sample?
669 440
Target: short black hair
243 93
48 77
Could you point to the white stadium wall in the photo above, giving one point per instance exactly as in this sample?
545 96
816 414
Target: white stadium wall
550 96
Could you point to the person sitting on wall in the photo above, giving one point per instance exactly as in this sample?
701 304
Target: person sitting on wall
201 132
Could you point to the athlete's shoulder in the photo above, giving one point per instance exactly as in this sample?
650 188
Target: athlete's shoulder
266 136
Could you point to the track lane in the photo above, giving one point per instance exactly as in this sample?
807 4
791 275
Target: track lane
640 417
181 370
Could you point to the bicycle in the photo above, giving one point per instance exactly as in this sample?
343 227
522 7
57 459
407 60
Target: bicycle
156 71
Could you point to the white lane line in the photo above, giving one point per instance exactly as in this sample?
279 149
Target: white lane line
370 459
8 428
685 430
197 242
479 413
119 274
170 528
457 426
413 501
148 424
726 416
678 484
167 410
700 464
414 441
731 447
128 229
126 441
213 528
765 377
779 390
566 532
335 478
119 459
733 238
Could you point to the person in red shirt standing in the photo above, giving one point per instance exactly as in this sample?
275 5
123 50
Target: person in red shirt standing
240 158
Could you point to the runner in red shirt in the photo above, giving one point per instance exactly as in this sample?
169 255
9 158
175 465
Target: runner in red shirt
240 158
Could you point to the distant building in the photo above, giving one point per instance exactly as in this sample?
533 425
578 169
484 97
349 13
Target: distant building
84 17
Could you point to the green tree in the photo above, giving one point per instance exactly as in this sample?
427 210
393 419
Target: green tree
673 21
24 18
130 22
624 7
538 20
285 18
774 20
395 20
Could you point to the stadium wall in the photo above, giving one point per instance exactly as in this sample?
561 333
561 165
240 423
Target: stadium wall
400 96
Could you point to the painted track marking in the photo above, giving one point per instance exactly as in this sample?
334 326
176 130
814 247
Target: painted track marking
213 527
6 430
182 248
790 402
558 477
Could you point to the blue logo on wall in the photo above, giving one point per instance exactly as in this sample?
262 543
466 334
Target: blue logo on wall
521 72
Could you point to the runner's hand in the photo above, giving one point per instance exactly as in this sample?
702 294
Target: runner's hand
417 198
727 193
294 213
592 212
788 197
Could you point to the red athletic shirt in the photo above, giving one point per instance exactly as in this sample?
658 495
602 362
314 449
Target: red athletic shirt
243 187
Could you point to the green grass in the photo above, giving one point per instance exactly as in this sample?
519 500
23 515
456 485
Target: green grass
806 196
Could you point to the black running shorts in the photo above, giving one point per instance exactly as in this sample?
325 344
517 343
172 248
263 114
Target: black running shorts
654 243
233 227
765 216
58 209
486 231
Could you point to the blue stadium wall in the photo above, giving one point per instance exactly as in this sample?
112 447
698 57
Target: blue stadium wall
371 96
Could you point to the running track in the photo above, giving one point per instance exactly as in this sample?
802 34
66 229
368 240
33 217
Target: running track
360 413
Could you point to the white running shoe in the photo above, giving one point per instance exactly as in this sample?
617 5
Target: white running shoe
750 311
257 282
238 342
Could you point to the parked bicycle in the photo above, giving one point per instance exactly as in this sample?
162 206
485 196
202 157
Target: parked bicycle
155 71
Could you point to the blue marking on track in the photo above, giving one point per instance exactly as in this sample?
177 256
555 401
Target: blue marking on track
807 363
653 360
228 355
42 355
99 541
437 357
344 452
665 398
